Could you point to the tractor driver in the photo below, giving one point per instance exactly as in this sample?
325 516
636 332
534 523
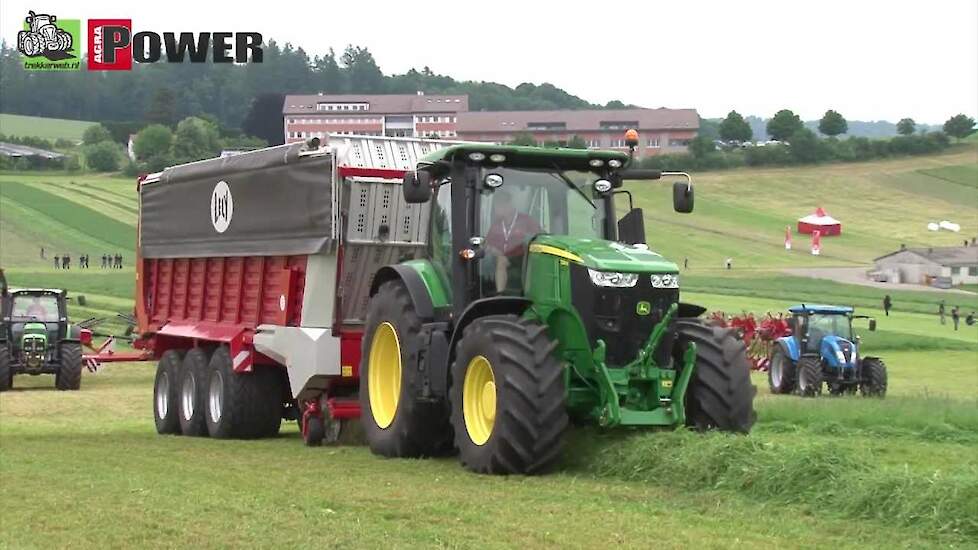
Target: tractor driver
507 237
37 309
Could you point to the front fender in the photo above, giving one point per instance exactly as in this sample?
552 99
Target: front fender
790 346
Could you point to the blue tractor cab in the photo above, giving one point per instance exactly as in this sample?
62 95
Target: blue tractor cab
822 349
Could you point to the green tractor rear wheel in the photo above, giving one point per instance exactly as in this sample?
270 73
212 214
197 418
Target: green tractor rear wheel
396 423
720 393
508 397
69 375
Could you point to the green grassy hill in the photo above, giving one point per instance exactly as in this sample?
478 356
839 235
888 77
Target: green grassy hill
41 127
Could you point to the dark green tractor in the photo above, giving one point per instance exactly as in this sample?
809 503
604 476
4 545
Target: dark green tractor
535 306
36 338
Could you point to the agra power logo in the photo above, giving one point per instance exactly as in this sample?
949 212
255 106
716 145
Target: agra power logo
45 37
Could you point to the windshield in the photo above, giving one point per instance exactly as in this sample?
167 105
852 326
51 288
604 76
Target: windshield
540 201
824 325
42 308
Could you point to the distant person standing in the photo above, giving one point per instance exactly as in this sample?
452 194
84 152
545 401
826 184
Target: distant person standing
42 252
940 311
66 262
729 263
105 261
686 263
887 304
955 316
970 319
57 261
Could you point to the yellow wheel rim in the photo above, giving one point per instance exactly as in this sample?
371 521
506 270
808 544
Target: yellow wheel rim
479 400
384 374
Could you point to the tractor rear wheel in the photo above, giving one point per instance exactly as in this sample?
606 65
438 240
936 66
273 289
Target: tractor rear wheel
241 405
874 377
6 373
781 372
809 377
69 375
508 397
720 394
395 421
166 393
193 410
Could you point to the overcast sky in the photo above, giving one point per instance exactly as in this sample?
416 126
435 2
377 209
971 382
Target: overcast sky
870 60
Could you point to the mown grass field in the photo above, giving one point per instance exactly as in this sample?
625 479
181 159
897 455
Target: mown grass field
42 127
87 468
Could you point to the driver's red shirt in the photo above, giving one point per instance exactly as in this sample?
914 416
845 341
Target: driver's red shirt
509 235
37 310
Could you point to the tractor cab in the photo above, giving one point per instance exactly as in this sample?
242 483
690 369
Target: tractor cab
34 317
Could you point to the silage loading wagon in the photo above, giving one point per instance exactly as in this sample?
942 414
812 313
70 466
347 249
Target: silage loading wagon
455 297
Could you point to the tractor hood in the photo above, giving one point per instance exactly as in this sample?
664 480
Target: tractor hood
603 255
838 352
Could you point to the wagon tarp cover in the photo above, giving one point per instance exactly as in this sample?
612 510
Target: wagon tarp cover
267 202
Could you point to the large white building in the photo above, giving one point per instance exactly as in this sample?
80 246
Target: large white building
922 265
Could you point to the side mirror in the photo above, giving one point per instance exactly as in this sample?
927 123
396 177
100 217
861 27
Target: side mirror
682 197
872 325
416 187
631 228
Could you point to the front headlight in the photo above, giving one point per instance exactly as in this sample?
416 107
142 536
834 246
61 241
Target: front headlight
840 356
612 278
669 280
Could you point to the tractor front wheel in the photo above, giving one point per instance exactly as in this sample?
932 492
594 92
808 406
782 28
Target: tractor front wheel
874 377
6 372
809 377
69 375
720 394
508 397
396 422
781 372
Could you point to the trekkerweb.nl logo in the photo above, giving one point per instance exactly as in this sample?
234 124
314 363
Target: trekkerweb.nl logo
48 43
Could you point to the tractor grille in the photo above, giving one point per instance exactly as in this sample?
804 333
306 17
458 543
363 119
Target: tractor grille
846 348
610 314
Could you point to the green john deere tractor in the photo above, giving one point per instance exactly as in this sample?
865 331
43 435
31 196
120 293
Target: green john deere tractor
534 306
36 338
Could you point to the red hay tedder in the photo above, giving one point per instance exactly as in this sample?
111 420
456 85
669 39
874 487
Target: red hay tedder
758 334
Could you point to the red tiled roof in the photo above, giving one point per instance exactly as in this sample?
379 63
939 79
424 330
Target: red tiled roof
515 121
381 104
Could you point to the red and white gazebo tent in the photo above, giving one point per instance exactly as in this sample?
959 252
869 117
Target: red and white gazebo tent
826 225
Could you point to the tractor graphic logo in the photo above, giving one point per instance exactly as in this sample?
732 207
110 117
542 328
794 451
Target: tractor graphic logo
42 37
222 207
643 308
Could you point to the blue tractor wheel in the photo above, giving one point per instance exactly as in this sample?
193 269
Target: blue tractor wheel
809 377
781 372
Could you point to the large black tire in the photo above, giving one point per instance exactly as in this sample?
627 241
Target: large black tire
874 377
809 377
246 405
781 375
523 433
193 391
6 372
70 373
418 428
720 393
166 392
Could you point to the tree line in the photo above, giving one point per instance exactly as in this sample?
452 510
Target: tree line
728 143
165 93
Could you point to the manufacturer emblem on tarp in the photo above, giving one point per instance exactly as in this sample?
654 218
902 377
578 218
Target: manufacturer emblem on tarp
222 207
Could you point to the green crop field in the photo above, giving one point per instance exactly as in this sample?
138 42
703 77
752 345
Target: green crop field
900 472
47 128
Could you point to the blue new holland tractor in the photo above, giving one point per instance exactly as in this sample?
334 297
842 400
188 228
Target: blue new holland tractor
822 349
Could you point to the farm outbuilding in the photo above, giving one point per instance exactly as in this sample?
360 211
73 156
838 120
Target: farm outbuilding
956 264
819 221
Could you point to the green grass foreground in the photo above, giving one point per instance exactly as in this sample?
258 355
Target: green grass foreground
87 469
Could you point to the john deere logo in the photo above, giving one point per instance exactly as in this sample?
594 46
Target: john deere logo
49 43
643 308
